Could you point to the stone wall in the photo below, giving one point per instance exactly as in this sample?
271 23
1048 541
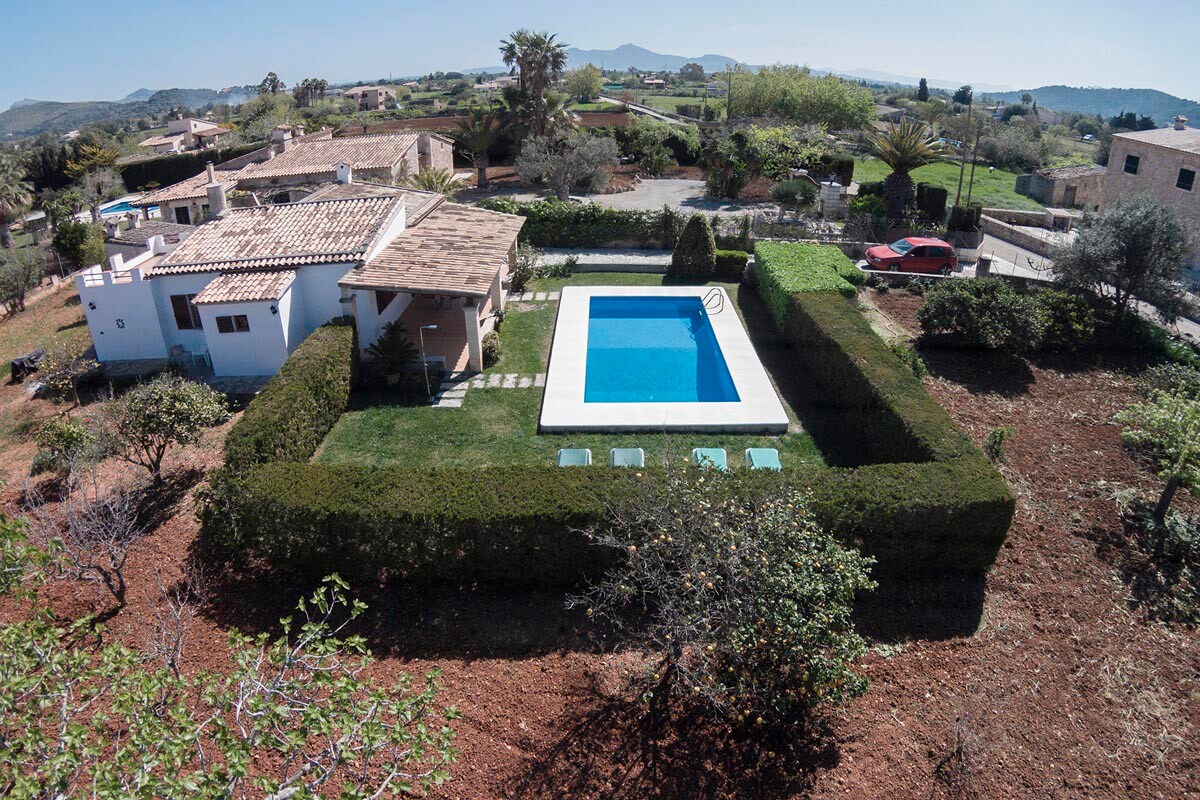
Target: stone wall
1158 172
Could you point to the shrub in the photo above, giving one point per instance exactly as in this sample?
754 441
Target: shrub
909 357
1068 322
526 268
1170 378
491 349
695 254
986 313
141 425
794 193
300 404
993 443
965 218
931 202
80 243
731 264
717 620
870 204
393 350
62 445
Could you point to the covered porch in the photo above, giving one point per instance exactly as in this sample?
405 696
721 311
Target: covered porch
450 329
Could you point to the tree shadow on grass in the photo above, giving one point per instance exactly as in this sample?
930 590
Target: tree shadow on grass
616 748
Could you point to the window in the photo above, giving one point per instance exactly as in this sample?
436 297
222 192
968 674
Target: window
1131 164
1187 177
187 316
918 252
183 216
235 324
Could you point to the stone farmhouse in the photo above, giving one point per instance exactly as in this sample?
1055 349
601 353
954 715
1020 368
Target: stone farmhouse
1162 164
292 166
1066 187
242 291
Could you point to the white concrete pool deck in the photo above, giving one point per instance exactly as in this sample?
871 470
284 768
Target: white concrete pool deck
563 408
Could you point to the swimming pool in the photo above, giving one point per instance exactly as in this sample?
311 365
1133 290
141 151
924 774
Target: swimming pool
122 207
654 349
628 358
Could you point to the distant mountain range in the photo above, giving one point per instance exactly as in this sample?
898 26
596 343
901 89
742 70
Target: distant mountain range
1107 102
40 116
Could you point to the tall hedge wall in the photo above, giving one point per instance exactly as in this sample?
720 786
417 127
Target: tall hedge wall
296 409
166 170
554 223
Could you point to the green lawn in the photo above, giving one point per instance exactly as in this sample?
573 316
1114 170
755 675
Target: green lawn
499 426
992 189
673 102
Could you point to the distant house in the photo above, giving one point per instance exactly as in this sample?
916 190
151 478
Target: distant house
241 292
370 98
291 166
1070 187
888 113
654 82
1161 164
186 134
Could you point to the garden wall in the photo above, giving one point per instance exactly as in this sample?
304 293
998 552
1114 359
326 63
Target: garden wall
921 498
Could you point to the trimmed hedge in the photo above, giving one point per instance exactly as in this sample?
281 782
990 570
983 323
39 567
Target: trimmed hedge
167 170
923 498
519 526
695 254
731 265
296 409
554 223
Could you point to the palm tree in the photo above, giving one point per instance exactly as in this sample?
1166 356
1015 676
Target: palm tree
539 60
476 134
15 196
437 180
904 146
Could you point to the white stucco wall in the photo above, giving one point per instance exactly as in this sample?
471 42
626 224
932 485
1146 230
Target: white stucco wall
370 324
259 351
120 315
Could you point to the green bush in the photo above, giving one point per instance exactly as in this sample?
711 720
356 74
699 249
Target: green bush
80 243
1068 322
987 313
993 443
554 223
794 193
491 349
931 201
965 218
300 404
695 254
731 264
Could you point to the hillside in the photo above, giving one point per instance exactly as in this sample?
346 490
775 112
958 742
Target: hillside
631 55
44 116
1107 102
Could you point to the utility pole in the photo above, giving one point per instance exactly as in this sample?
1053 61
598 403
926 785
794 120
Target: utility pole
962 164
728 92
974 155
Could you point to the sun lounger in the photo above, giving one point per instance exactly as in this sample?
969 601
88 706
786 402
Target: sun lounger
763 458
627 457
710 457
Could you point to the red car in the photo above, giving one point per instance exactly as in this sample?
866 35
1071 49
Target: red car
914 254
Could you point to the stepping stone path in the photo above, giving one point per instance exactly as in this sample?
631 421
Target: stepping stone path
535 297
454 389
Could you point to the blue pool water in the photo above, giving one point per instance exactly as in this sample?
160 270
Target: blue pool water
121 208
654 350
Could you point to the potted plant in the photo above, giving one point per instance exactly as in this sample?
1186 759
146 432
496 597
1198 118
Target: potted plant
963 231
393 351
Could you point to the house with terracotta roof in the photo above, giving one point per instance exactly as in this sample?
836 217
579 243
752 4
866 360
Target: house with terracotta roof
245 289
293 165
186 134
370 98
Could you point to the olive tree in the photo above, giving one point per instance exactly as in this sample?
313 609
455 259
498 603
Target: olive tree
20 272
1134 249
565 163
744 598
294 717
1169 422
143 424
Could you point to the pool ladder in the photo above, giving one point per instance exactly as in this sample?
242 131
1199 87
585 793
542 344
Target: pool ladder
714 301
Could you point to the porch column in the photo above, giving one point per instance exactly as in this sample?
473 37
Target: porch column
474 340
498 291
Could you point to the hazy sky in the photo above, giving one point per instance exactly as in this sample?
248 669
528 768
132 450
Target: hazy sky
77 50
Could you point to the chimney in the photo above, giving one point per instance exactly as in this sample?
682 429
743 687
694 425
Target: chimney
282 135
135 219
1181 123
212 176
270 152
112 228
345 174
218 203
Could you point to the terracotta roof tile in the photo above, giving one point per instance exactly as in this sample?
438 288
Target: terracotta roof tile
285 235
148 229
455 250
246 287
1186 140
382 151
187 189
